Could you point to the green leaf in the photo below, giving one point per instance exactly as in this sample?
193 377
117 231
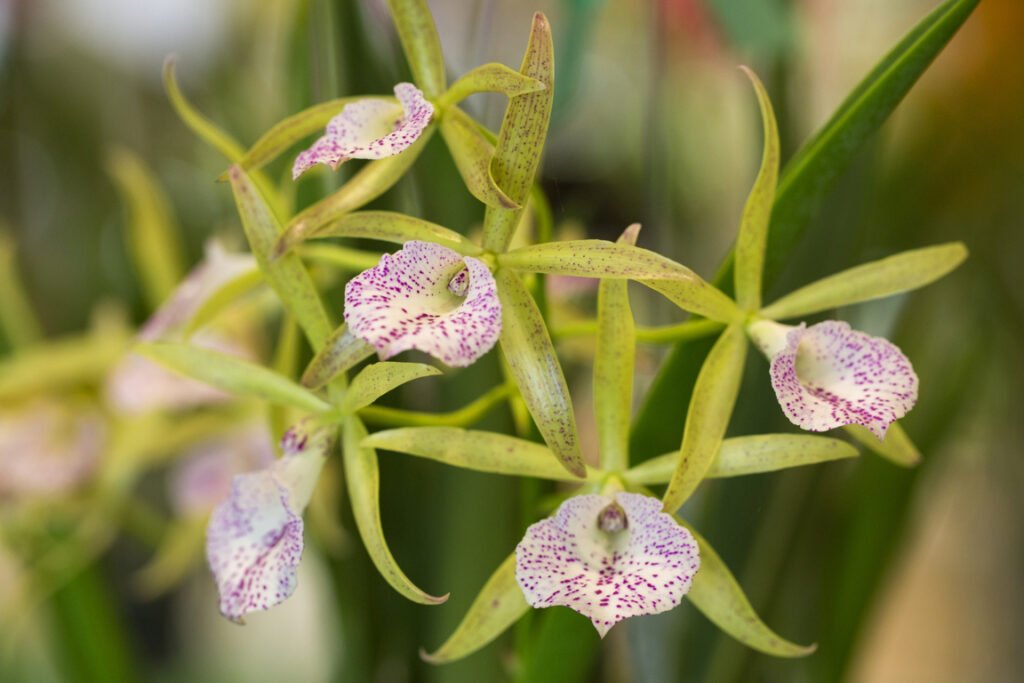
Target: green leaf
491 77
714 396
378 379
475 450
750 455
614 363
521 138
150 229
719 597
391 226
499 604
17 319
287 275
896 447
532 361
340 352
233 375
294 128
421 44
221 298
885 277
372 180
472 154
753 234
363 480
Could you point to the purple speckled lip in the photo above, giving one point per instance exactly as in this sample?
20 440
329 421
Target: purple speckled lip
828 375
369 129
426 297
644 567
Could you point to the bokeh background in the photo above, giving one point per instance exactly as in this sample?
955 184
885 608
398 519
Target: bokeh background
897 575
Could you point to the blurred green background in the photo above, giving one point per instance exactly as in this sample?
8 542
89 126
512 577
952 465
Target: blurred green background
897 575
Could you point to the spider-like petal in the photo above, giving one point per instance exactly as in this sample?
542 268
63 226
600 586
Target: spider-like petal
607 576
369 129
418 298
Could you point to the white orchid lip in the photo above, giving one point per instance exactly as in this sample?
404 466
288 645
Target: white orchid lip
829 375
254 540
369 129
426 297
608 558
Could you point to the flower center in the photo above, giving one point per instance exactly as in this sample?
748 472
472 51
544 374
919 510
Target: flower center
612 519
459 283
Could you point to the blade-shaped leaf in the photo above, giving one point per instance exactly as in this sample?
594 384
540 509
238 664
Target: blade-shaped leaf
378 379
491 77
475 450
151 233
233 375
753 234
287 275
499 604
421 44
472 154
521 138
716 593
390 226
896 447
372 180
363 480
340 352
225 295
750 455
613 368
532 361
885 277
714 396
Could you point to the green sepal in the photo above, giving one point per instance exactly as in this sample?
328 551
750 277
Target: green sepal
287 275
892 275
533 364
476 450
337 256
391 226
421 44
372 180
472 154
151 232
378 379
753 233
750 455
233 375
717 594
499 604
491 77
221 298
520 142
897 447
362 478
714 396
341 351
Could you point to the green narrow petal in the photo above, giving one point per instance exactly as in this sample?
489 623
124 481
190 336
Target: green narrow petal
897 447
532 361
473 154
521 138
378 379
61 364
491 77
753 234
714 396
340 352
499 604
221 298
421 44
885 277
363 480
391 226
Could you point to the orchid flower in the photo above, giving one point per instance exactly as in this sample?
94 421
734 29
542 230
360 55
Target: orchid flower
254 538
608 558
369 129
829 375
426 297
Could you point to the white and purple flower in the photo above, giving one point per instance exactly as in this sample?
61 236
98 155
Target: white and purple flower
369 129
426 297
829 375
608 558
254 538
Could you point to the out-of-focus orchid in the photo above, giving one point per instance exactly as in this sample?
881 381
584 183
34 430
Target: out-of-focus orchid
426 297
829 375
608 558
254 539
369 129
